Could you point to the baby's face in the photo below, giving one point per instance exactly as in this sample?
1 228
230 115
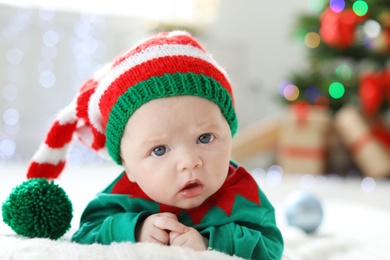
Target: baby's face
177 150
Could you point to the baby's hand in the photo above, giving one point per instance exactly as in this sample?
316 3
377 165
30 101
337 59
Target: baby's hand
192 238
156 228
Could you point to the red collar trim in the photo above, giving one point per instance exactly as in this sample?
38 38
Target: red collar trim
224 198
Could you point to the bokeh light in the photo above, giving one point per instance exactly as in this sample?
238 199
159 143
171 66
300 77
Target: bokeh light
291 92
312 93
360 8
282 86
14 56
47 79
372 28
7 147
83 29
321 103
50 38
344 72
336 90
11 116
274 175
316 5
312 40
337 5
11 130
368 184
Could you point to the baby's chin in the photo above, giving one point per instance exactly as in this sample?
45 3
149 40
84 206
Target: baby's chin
189 204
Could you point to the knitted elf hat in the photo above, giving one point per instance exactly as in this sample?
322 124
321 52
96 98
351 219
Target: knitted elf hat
164 65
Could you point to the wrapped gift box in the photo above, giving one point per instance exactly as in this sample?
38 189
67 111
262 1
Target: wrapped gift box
258 138
303 140
369 154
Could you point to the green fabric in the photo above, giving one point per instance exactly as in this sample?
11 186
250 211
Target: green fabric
249 232
167 85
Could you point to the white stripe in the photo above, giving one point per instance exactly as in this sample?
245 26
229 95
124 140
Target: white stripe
98 76
85 134
102 72
45 154
155 51
68 114
178 33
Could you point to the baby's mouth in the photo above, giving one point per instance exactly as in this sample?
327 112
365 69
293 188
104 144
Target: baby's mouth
192 189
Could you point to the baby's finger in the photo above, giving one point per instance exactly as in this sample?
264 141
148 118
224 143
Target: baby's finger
167 214
160 236
170 224
173 236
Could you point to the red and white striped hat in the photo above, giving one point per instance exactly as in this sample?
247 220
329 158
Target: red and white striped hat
164 65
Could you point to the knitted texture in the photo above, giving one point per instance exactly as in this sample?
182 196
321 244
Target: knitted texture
164 65
164 86
38 208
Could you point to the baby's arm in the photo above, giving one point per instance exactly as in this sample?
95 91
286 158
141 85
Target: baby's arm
265 242
157 228
105 221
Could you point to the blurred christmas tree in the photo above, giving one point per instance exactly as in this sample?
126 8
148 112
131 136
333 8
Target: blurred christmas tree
348 46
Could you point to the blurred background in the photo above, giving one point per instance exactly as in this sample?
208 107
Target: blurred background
311 81
310 77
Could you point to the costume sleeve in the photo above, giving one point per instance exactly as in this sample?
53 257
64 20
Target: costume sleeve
105 220
245 241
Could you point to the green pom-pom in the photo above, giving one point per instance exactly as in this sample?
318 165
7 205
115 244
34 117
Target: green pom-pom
38 208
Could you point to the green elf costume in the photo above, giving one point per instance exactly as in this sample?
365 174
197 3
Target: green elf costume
238 219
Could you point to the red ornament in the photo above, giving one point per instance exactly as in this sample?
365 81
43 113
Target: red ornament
301 110
373 88
386 83
338 29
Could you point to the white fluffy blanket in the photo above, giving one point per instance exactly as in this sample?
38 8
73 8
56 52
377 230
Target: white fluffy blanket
351 231
352 228
14 247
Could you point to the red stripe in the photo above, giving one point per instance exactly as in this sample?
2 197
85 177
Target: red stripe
86 91
179 39
99 140
304 152
158 67
361 142
45 170
60 135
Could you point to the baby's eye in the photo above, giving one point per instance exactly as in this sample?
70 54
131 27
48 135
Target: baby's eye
205 138
159 151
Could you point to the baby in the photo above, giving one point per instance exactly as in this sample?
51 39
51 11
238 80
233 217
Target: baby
165 111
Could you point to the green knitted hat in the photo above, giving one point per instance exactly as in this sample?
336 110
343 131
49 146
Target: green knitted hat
165 65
